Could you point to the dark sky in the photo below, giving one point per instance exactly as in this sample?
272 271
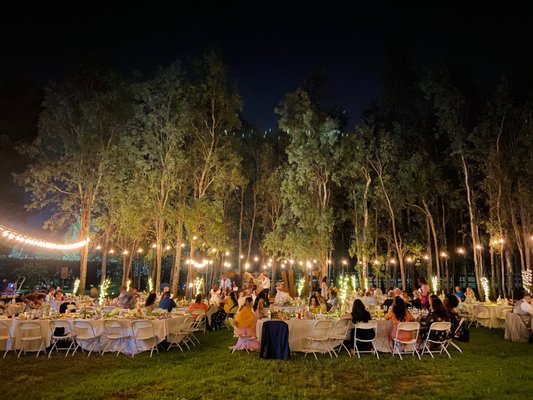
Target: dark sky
271 47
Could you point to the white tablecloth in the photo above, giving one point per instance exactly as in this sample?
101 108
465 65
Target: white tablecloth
299 329
160 329
493 309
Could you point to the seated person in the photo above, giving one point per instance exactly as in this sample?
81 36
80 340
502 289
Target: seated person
406 298
459 293
150 300
231 305
416 303
470 295
198 304
245 322
388 301
166 303
314 304
359 314
438 313
398 312
333 301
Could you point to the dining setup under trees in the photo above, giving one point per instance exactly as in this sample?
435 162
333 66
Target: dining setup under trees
162 174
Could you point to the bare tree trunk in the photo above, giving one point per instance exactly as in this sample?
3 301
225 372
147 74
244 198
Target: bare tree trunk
473 228
105 249
435 240
429 268
177 258
254 212
85 222
189 289
241 222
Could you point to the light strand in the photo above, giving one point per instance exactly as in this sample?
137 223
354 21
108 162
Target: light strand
10 234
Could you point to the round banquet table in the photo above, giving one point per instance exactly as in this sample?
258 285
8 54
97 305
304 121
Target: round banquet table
299 329
493 309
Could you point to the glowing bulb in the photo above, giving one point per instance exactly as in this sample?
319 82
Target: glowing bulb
125 252
154 246
443 254
194 237
111 251
241 256
183 245
344 262
227 253
140 251
167 247
246 266
98 247
479 247
291 262
425 257
256 258
409 260
460 250
376 262
282 266
392 261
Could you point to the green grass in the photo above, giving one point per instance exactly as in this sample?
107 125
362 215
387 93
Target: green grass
489 368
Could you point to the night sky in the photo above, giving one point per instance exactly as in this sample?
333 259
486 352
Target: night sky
271 48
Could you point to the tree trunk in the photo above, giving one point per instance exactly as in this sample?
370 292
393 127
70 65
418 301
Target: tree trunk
241 221
254 211
473 229
105 249
177 259
85 222
189 289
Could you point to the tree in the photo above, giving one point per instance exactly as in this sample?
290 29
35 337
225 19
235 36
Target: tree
81 120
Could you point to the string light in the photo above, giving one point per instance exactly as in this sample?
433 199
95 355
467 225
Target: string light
485 285
150 284
11 234
435 284
103 290
76 286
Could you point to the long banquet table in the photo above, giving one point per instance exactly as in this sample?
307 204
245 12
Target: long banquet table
160 329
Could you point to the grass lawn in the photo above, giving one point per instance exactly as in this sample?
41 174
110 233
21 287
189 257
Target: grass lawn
489 368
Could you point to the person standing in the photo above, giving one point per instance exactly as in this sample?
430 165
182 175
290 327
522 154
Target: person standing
225 283
265 284
324 288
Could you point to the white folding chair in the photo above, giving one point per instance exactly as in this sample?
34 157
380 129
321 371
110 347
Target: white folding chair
318 341
481 316
178 330
65 335
5 334
366 326
85 333
438 334
339 333
31 332
115 332
144 330
401 346
502 316
455 333
200 318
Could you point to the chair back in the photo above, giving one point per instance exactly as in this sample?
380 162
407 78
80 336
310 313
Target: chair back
114 328
60 328
84 330
30 330
321 329
436 327
4 330
341 329
413 327
481 312
143 330
366 326
275 340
